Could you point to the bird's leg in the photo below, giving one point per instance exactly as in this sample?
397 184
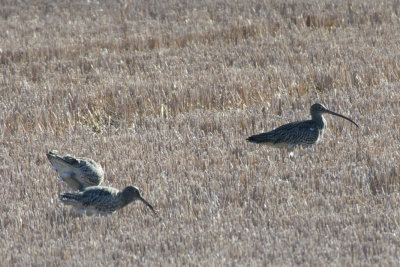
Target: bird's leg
290 150
283 153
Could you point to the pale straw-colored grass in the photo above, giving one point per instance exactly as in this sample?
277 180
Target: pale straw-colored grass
163 95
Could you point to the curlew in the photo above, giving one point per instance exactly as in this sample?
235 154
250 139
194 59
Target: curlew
304 133
102 200
78 173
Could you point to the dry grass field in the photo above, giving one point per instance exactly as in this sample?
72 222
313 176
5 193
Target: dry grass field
163 95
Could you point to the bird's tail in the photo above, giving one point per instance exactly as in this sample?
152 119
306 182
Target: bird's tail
260 138
69 198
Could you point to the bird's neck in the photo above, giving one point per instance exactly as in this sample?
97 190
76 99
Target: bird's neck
125 199
319 119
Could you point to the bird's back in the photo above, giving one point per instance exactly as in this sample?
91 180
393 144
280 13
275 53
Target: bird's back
96 198
295 133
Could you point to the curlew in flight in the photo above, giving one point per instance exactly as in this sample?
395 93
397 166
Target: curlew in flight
102 200
304 133
78 173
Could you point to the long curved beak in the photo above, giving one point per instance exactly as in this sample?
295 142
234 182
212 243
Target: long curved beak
337 114
148 205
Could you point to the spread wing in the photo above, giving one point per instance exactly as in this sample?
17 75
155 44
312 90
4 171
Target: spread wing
84 171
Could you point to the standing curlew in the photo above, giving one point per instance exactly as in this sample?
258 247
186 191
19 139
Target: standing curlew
305 133
103 200
78 173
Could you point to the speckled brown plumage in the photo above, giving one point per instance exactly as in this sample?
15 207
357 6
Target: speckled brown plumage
304 133
103 200
77 172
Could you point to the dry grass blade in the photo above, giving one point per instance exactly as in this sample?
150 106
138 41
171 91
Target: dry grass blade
162 95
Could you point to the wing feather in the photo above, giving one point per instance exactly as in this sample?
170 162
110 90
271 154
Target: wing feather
294 133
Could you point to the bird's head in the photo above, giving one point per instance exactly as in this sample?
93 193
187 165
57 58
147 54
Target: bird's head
318 109
132 193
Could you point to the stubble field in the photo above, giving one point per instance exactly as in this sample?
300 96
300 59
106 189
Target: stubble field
163 95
